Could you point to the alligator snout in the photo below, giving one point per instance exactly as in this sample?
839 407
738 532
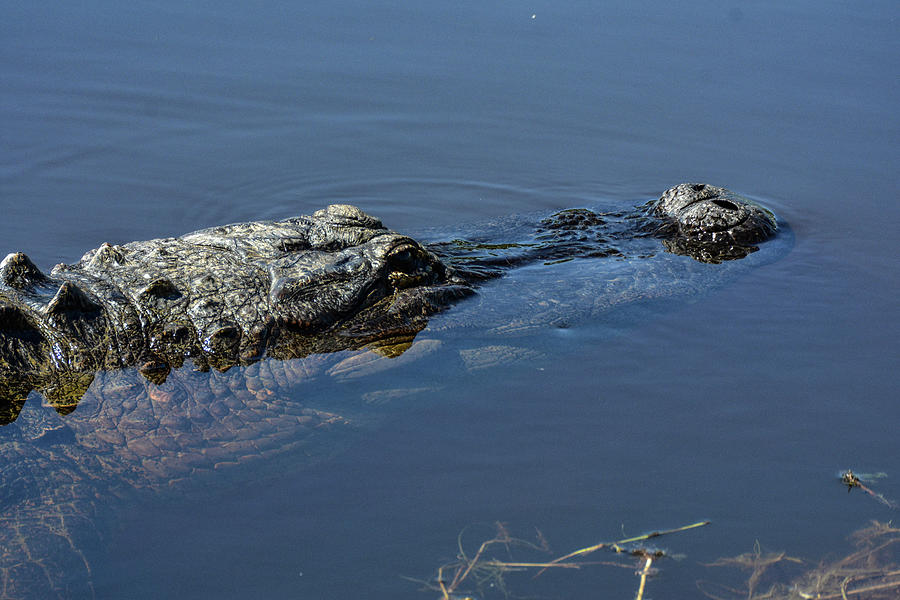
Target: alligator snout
726 204
711 223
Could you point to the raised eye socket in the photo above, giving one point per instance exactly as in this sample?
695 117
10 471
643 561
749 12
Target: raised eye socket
402 260
725 204
697 187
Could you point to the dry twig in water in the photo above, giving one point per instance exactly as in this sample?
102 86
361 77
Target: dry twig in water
484 572
870 572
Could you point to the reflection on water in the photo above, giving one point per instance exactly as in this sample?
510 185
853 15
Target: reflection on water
125 430
63 476
124 121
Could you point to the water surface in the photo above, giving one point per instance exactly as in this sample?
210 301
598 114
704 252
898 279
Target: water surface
148 119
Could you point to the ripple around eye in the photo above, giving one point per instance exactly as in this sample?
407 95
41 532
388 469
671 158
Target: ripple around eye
398 201
418 201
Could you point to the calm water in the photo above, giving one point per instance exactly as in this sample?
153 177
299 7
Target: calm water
122 121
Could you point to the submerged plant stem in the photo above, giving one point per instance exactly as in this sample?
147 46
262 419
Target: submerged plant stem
644 572
479 569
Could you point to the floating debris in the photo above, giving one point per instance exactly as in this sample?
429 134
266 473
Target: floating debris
870 572
455 580
852 480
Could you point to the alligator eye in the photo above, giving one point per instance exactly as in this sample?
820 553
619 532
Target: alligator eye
698 187
403 260
402 256
725 204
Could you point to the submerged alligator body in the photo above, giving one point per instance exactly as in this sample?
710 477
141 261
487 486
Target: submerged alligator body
333 281
300 289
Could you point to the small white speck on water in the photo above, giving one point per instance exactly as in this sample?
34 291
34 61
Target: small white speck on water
534 16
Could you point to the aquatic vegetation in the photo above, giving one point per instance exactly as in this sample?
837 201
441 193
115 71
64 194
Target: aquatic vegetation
871 571
475 574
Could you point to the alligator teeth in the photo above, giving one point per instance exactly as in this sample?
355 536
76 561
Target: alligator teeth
70 298
17 271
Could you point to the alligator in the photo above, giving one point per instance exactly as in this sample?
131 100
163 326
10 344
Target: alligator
306 285
109 334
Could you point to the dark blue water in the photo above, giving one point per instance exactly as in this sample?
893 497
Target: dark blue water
122 121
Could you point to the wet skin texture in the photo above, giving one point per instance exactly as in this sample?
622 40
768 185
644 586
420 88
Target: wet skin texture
300 288
332 281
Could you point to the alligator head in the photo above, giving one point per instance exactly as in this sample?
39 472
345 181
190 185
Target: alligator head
220 296
710 223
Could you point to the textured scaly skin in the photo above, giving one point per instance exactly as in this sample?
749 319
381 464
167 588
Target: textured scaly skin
225 298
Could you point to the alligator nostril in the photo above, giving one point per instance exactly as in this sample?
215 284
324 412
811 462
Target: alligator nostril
725 204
